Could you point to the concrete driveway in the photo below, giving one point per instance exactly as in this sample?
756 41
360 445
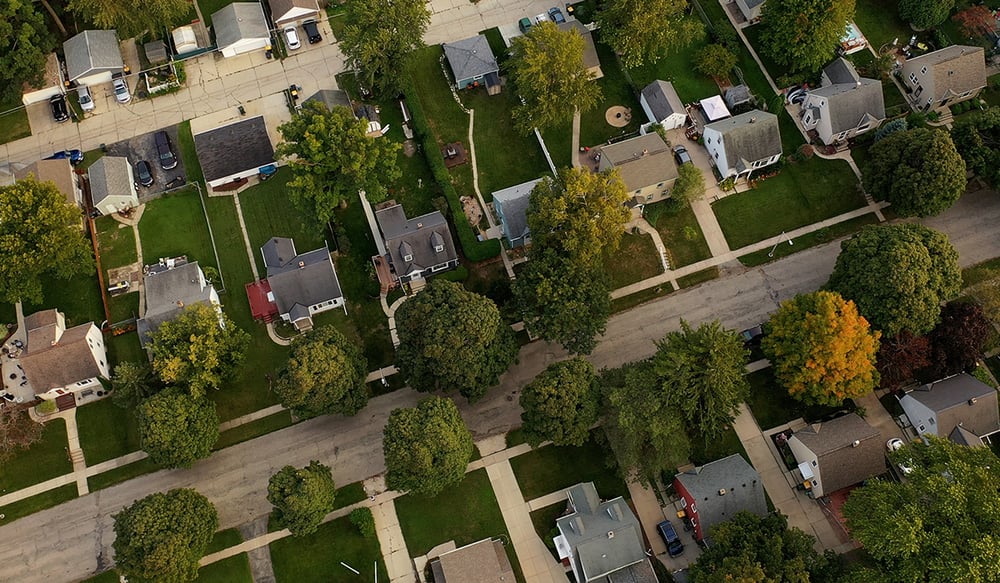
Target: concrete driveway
143 147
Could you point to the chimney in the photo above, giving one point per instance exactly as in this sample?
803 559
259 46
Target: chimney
645 152
420 225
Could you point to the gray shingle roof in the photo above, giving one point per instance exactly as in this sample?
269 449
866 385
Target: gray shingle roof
470 57
839 71
303 279
958 68
58 172
750 136
156 51
514 203
280 8
480 562
238 21
92 51
588 529
331 98
663 100
963 436
234 148
961 400
742 483
168 292
737 95
50 362
414 235
109 177
849 103
642 161
841 463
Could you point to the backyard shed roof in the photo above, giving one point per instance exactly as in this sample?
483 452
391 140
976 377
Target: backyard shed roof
470 57
156 51
663 100
109 177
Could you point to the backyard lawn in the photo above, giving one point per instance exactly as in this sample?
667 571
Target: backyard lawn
45 459
79 298
676 67
559 143
680 232
635 260
116 243
594 128
317 557
235 569
880 23
554 468
175 225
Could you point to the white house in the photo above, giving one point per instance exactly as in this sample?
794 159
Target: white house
844 105
292 12
662 105
416 248
58 361
741 144
93 56
944 77
112 185
961 408
241 28
300 285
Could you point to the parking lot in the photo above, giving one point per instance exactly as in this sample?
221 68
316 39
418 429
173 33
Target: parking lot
142 147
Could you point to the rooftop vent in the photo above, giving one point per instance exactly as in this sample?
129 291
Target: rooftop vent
753 119
420 225
302 264
722 491
611 534
972 401
856 443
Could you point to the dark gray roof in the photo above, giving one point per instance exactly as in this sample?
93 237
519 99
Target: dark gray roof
958 68
156 51
750 136
303 279
737 95
641 161
605 536
169 291
109 177
742 483
590 58
238 21
663 100
514 202
92 51
470 57
234 148
841 462
753 3
415 237
331 98
840 71
961 400
963 436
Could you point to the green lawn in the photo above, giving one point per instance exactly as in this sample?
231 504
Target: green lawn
224 539
981 272
349 494
115 242
416 189
698 277
235 569
13 124
124 307
676 67
44 460
703 451
647 295
559 143
38 502
808 240
554 468
772 406
106 431
125 347
175 225
680 232
105 577
594 128
802 194
185 142
880 23
254 429
544 521
122 474
317 557
79 298
635 260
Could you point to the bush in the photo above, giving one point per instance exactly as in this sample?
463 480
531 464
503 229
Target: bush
459 274
47 407
363 519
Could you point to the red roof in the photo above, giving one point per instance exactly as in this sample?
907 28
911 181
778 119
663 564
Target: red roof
261 307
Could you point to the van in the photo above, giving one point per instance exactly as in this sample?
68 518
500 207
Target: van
674 545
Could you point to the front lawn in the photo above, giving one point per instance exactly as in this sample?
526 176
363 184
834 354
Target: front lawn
106 431
39 502
175 225
802 194
44 460
14 123
254 429
235 569
635 260
680 232
122 474
317 557
772 406
594 127
553 468
808 240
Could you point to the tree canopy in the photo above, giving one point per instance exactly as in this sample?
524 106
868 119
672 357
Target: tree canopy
133 383
379 37
40 235
957 342
450 338
925 13
919 171
689 186
701 372
822 349
325 373
176 429
334 159
546 66
898 275
199 349
18 431
941 524
427 447
977 139
302 497
161 538
25 44
900 358
715 60
644 31
560 404
134 17
801 34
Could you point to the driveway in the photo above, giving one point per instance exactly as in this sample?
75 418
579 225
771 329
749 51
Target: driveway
143 147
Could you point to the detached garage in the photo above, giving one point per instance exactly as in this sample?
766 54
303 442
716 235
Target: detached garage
292 12
50 85
240 28
93 56
232 153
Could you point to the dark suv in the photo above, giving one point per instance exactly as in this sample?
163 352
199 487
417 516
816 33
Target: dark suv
674 545
59 111
312 32
167 159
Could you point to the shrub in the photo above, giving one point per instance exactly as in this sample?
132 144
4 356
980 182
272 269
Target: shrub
46 407
363 519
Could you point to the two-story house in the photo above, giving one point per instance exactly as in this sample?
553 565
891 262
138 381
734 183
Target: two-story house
646 165
961 408
170 286
62 364
836 454
715 492
741 144
416 248
944 77
844 105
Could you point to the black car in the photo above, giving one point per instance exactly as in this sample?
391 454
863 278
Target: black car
60 112
167 159
674 545
312 31
752 336
681 155
143 173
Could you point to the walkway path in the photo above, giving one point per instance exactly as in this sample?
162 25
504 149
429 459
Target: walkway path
574 153
398 563
261 569
75 452
644 226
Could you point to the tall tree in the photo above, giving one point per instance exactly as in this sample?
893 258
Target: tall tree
977 139
925 13
715 60
689 186
900 357
176 429
898 275
161 538
800 35
546 65
821 348
557 307
919 171
957 342
450 338
560 404
18 431
39 235
628 27
133 383
702 374
427 447
199 349
325 374
379 37
332 159
25 44
132 18
302 497
941 524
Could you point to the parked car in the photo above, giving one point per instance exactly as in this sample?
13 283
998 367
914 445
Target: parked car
291 38
312 32
894 444
752 336
60 112
84 97
144 173
556 15
543 17
674 545
75 156
524 24
167 159
681 155
122 94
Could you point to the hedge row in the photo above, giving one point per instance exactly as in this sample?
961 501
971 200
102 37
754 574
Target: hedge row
474 249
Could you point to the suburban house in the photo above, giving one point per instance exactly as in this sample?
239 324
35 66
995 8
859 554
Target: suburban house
844 105
292 12
58 172
234 152
715 492
961 408
51 83
112 185
646 165
511 206
839 453
416 248
602 541
171 286
750 9
299 285
591 62
741 144
662 105
944 77
241 28
93 57
62 364
473 64
484 561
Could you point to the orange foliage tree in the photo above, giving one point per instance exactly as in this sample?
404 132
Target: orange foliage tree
822 349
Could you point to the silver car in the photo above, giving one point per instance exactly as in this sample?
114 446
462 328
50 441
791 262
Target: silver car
84 97
122 94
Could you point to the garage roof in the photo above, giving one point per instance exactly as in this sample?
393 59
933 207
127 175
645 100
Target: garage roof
234 148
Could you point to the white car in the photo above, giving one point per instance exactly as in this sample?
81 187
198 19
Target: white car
541 18
121 90
292 38
84 97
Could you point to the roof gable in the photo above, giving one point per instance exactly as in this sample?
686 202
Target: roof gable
748 137
90 51
109 176
963 400
470 57
282 10
848 450
663 100
958 68
642 161
722 488
415 235
239 21
848 104
234 148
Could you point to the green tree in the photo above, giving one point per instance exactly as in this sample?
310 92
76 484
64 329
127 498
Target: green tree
161 538
364 520
132 18
645 31
800 35
199 349
925 13
546 66
380 36
450 338
941 524
176 429
977 139
132 384
701 372
40 236
898 275
325 374
18 432
332 159
427 447
919 171
689 186
302 497
556 307
821 349
25 44
715 60
560 404
580 213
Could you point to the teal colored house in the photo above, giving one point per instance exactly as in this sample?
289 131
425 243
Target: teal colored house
472 63
511 206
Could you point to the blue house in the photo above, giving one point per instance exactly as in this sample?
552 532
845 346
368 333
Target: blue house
472 62
511 206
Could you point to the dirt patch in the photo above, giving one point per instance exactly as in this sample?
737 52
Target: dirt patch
472 210
454 154
129 273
